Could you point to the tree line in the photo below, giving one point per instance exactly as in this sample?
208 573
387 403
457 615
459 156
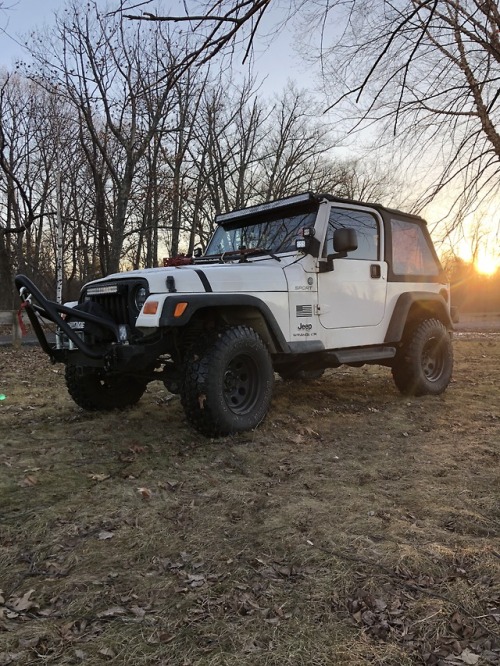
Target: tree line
144 159
472 291
137 117
423 73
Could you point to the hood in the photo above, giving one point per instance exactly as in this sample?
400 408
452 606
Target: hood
194 278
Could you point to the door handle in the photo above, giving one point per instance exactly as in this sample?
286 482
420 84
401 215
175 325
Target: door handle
375 271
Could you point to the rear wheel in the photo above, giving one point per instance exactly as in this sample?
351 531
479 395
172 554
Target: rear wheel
228 382
425 363
95 391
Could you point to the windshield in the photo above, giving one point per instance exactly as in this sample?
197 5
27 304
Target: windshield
277 234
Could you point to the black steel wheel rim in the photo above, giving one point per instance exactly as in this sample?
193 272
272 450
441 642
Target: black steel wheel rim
241 384
433 359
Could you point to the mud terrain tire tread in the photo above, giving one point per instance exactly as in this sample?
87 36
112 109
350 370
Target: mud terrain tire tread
228 382
94 393
425 363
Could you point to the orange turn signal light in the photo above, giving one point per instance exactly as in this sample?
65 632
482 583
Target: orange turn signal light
180 308
150 307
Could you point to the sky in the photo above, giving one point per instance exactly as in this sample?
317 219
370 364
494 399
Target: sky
18 17
274 57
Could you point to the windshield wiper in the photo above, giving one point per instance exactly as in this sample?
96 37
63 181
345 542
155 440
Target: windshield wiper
245 252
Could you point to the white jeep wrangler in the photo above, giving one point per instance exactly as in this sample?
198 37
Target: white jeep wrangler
293 286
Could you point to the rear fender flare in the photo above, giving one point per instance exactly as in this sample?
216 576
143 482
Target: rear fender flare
433 305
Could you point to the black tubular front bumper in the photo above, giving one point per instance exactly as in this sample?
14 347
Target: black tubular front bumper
35 303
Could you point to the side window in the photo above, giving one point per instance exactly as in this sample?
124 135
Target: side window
411 253
366 227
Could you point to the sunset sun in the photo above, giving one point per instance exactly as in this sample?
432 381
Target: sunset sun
487 264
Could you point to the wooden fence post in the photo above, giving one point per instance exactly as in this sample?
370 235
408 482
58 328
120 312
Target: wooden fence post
9 317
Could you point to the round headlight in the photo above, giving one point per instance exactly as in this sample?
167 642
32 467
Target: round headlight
141 294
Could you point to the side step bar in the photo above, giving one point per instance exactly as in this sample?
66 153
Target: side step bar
360 355
334 359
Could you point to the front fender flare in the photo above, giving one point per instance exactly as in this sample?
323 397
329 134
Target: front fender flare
207 301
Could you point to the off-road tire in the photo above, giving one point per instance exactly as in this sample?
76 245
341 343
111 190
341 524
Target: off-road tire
228 382
424 365
95 392
290 374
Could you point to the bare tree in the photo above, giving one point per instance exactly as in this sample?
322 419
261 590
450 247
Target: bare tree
246 152
294 147
229 129
109 73
26 164
428 73
427 70
148 158
212 29
188 92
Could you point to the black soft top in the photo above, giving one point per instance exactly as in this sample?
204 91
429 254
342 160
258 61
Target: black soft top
306 201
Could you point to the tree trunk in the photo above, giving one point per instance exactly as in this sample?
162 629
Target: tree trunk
6 277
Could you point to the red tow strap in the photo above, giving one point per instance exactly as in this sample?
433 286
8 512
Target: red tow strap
22 326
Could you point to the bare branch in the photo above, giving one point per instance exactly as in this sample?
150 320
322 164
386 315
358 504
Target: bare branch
148 16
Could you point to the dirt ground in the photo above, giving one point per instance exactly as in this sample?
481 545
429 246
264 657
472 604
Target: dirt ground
355 526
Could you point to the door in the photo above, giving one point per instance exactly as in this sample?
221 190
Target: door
353 294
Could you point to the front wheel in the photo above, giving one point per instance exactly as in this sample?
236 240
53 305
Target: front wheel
425 363
95 391
228 382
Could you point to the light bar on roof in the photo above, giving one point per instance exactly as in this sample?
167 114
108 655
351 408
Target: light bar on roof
261 208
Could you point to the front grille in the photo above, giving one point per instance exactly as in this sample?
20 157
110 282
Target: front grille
116 298
116 305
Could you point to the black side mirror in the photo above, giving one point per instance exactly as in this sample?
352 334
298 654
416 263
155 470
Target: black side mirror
344 241
197 252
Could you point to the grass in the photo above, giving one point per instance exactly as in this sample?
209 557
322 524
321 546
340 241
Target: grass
355 526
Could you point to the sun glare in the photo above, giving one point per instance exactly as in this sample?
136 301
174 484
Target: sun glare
487 265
